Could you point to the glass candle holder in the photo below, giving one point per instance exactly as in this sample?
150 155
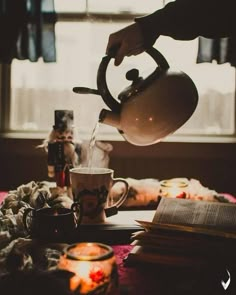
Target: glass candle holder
174 188
94 266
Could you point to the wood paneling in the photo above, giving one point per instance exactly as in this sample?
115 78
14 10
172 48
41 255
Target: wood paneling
213 164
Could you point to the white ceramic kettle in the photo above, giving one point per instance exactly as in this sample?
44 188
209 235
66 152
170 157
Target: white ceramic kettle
149 109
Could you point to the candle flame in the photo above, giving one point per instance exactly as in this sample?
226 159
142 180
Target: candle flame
83 269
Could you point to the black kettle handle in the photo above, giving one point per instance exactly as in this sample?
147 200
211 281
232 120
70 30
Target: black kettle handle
109 100
159 58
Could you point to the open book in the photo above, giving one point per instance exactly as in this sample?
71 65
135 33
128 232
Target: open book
186 232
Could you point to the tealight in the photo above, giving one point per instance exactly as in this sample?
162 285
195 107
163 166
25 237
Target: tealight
94 266
174 188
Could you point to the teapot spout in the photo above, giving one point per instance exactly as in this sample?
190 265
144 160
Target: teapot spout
110 118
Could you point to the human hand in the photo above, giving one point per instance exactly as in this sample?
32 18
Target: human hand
126 42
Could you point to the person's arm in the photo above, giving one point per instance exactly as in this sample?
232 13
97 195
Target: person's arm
188 19
181 20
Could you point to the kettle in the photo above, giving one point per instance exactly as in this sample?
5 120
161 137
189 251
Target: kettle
149 109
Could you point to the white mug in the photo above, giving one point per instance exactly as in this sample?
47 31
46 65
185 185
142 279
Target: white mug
91 188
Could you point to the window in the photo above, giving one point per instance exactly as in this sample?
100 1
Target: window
82 31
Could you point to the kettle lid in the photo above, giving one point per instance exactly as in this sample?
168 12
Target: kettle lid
132 75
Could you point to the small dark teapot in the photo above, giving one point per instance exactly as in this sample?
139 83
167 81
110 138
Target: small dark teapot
150 108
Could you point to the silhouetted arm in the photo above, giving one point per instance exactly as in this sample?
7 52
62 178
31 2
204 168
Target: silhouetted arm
188 19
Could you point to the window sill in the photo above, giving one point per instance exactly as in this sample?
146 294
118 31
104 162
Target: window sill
119 138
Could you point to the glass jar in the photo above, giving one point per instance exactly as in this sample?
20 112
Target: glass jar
174 188
94 266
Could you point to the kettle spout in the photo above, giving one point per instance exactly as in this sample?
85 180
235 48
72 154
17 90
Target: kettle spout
109 118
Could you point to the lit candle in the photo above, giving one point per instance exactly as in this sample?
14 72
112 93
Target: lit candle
174 188
94 266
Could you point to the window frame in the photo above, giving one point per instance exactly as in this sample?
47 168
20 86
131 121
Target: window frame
5 92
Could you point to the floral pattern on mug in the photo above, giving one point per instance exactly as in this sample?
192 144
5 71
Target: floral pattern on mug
92 201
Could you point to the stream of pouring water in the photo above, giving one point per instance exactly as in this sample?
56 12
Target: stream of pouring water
91 146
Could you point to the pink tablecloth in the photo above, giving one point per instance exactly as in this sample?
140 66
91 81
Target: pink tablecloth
2 196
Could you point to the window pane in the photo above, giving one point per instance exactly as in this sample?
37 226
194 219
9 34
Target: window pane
124 6
39 88
70 5
109 6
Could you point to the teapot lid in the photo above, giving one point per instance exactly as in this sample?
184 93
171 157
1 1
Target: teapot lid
110 101
138 83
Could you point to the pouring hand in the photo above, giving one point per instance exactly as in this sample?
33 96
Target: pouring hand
128 41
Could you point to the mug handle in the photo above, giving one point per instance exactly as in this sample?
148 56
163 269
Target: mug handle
112 210
26 214
77 209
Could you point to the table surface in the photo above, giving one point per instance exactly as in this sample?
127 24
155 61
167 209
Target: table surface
130 217
147 279
156 279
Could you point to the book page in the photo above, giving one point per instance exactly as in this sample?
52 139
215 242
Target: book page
196 229
189 212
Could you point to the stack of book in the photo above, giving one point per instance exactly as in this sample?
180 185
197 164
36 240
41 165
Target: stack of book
184 232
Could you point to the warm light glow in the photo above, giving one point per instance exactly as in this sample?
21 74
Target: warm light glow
55 213
83 269
74 283
174 188
174 191
93 265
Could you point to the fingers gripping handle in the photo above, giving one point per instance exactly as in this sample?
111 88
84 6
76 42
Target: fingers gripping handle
112 51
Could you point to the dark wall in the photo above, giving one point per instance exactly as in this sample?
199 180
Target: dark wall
212 164
21 161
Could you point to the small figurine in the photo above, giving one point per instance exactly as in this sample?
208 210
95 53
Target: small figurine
66 151
63 149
